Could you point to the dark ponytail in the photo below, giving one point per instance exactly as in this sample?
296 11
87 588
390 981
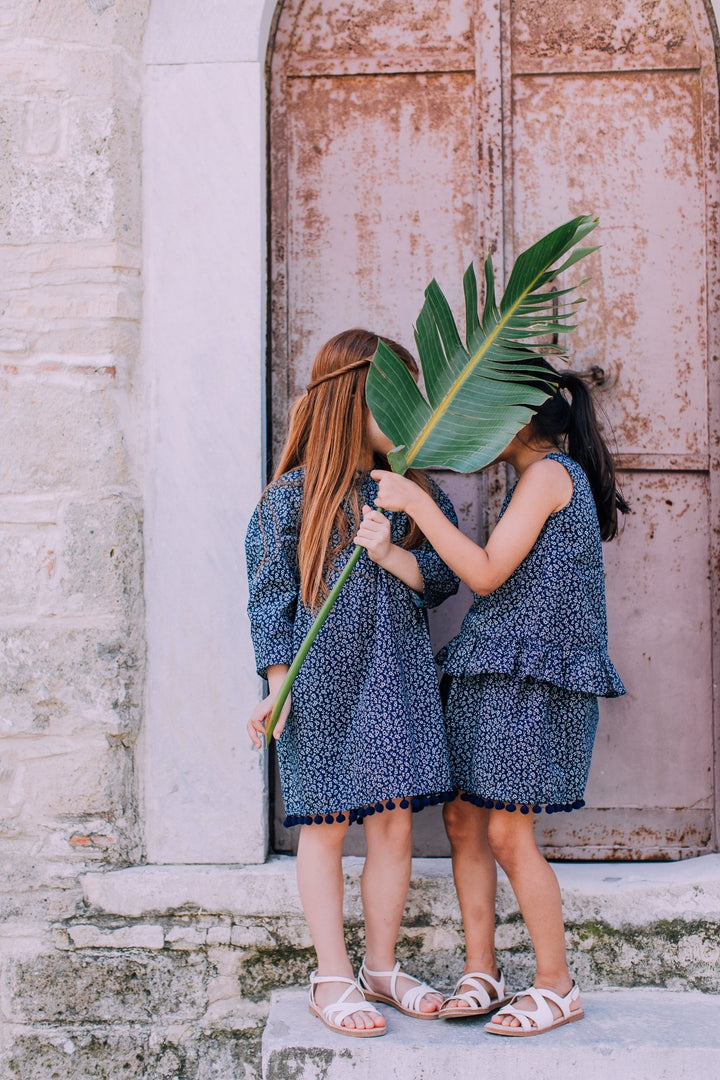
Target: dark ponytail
572 425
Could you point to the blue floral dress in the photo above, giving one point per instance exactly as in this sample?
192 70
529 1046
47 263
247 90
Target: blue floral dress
528 666
366 725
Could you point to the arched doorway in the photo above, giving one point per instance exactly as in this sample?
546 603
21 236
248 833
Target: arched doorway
408 139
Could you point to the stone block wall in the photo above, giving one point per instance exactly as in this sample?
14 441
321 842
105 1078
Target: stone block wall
165 973
71 609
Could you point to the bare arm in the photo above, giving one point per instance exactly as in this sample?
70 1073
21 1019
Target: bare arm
544 488
374 536
259 716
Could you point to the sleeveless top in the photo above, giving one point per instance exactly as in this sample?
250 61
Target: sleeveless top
548 620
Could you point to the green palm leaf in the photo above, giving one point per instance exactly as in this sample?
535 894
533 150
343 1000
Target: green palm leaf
482 392
479 394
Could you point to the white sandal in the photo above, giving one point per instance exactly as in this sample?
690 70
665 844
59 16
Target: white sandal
409 1004
477 1000
334 1014
540 1019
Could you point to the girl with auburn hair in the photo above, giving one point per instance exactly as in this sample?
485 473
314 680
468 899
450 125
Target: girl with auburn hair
362 738
524 676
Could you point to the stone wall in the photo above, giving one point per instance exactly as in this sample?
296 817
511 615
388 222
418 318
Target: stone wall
165 973
71 610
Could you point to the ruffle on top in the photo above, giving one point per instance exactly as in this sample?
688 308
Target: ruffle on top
585 670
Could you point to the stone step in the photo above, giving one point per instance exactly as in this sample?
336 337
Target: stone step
635 1034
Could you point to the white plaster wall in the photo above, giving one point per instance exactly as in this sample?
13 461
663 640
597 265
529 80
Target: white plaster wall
204 354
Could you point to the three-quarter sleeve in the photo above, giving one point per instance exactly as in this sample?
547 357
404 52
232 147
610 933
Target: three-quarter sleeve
273 578
439 582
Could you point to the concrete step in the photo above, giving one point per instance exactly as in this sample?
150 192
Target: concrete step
636 1034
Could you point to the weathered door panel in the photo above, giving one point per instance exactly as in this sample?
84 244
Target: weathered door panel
375 207
629 148
407 139
651 784
607 115
346 36
375 189
603 35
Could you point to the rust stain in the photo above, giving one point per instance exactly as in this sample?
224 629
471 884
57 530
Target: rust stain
96 840
553 28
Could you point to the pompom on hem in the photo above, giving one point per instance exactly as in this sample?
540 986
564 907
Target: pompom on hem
511 805
358 815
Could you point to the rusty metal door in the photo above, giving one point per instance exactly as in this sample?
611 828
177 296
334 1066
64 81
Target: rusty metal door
407 139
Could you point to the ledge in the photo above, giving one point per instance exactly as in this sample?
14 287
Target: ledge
616 894
643 1034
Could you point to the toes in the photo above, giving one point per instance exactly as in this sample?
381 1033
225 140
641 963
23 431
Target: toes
364 1021
431 1003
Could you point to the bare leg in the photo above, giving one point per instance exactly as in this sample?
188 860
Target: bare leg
320 882
512 840
385 881
475 875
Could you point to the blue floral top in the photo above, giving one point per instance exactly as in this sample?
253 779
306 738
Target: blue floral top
366 722
548 620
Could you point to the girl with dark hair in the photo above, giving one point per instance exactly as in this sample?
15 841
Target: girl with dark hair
524 676
363 738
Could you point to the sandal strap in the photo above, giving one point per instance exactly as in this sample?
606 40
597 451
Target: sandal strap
411 998
478 997
315 979
541 1017
391 975
338 1010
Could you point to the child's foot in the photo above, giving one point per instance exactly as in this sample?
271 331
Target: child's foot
476 993
539 1009
402 991
332 998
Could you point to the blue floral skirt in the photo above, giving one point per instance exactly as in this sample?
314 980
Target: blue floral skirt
519 743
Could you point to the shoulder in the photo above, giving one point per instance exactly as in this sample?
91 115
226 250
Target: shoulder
280 503
293 479
549 482
287 490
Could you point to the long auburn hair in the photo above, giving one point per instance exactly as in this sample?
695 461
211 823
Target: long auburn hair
569 421
328 438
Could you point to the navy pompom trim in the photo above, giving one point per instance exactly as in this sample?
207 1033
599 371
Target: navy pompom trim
512 805
358 815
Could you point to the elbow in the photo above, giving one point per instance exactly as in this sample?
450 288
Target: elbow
483 586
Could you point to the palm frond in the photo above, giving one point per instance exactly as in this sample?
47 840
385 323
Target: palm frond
480 392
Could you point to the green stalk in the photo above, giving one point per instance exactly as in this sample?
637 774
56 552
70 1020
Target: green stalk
309 638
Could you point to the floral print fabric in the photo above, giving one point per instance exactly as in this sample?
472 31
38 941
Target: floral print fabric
527 666
366 725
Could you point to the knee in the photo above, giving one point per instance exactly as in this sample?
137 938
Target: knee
392 829
461 823
324 835
503 840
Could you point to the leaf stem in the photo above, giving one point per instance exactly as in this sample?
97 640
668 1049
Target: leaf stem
307 642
